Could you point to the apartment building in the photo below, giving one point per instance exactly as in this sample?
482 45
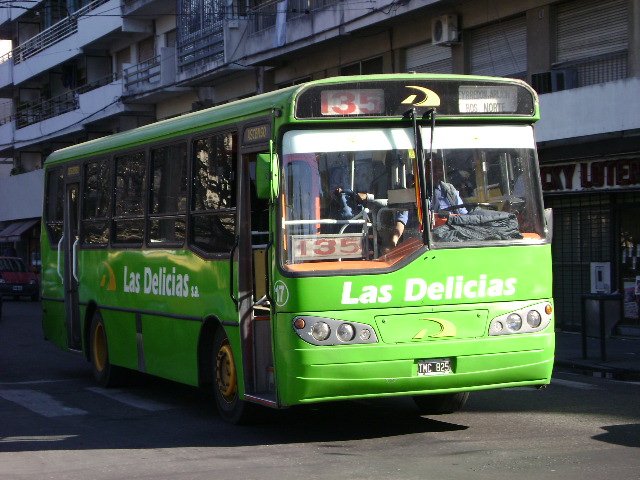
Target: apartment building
80 69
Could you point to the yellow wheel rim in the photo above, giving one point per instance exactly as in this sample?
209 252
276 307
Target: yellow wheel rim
99 347
226 378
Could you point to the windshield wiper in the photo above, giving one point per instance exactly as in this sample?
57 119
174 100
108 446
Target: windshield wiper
425 194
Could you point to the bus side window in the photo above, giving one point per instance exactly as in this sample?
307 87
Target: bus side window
167 221
213 202
54 204
95 204
128 217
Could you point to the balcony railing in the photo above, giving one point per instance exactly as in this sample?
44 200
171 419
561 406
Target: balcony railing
264 16
54 34
201 49
144 72
29 114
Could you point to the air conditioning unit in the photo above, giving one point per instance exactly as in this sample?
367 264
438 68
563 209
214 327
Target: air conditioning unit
444 30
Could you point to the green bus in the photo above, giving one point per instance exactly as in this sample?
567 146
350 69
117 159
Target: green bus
350 237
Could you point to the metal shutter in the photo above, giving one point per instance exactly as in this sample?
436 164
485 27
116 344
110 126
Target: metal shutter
427 58
586 28
499 49
581 235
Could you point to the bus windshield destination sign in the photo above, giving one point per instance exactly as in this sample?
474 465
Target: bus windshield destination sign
495 99
352 102
394 98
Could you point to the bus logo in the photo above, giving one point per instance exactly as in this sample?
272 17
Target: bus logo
427 98
447 329
281 292
108 278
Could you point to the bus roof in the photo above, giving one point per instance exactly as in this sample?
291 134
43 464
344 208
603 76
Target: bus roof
310 97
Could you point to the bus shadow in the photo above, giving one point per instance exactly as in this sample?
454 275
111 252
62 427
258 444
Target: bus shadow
193 422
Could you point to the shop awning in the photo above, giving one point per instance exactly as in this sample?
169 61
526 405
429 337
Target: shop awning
13 232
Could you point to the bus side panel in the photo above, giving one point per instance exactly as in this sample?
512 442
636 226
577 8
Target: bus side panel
121 336
53 309
53 322
170 348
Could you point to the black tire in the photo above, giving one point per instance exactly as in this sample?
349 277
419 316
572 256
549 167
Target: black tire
105 374
441 404
225 383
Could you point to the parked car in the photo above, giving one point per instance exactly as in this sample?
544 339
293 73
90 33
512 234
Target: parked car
16 280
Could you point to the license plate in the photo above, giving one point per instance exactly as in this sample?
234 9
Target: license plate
17 288
436 366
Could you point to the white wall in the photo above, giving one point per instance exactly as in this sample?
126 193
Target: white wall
596 109
21 196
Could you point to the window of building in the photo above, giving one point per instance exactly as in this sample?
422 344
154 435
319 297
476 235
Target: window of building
592 41
128 217
499 49
364 67
95 204
427 58
146 49
213 203
54 208
168 195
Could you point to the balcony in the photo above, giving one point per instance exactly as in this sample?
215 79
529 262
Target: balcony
11 12
599 109
7 130
6 70
68 113
66 39
152 80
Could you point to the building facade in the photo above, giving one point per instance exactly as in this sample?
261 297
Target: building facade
81 69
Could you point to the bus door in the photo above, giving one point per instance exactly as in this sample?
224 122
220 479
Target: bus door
253 304
68 250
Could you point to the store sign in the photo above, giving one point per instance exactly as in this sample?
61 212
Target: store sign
592 175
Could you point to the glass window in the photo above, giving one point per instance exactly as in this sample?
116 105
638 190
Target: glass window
95 203
213 203
129 198
168 194
352 198
55 204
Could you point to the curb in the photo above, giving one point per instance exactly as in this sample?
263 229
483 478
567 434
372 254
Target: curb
601 371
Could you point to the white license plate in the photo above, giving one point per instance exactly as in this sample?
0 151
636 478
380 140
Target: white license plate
17 288
435 366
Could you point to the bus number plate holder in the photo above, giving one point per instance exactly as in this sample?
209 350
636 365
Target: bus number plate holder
434 366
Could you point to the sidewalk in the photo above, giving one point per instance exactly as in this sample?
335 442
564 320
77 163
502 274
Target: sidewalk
622 356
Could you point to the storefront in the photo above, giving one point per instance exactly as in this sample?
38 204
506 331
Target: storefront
596 205
22 238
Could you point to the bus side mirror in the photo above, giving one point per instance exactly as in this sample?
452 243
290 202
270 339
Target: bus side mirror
267 176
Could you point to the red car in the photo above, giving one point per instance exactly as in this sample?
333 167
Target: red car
16 280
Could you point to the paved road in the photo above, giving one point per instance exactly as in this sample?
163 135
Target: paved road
55 423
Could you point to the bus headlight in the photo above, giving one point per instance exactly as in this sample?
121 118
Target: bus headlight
514 322
329 331
346 332
320 331
536 318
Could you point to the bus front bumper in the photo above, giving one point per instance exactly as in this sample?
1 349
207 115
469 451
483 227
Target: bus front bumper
358 371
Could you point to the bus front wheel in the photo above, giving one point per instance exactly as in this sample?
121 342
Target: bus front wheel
440 404
105 374
225 382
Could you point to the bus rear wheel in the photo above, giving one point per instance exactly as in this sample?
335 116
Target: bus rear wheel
441 404
105 374
225 383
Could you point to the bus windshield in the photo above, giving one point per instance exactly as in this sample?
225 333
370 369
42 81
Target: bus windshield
351 199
